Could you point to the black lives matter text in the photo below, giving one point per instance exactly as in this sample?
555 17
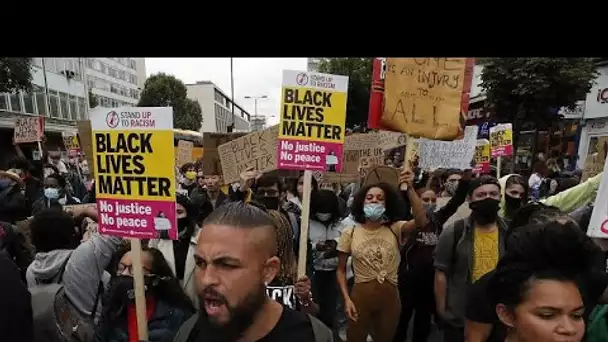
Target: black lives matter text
121 168
304 115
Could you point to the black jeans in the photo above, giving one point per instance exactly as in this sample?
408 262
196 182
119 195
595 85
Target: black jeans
418 300
325 293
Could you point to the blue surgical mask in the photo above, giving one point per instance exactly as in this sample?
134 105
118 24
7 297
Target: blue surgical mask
430 207
51 193
373 211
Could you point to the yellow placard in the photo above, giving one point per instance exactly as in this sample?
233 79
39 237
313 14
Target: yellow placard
313 115
133 165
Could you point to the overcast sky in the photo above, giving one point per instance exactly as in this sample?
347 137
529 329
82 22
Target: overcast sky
252 77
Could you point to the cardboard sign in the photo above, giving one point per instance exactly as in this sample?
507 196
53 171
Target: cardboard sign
594 163
456 154
598 225
382 174
28 129
257 150
313 116
482 156
423 96
501 140
134 175
391 140
184 149
72 145
211 141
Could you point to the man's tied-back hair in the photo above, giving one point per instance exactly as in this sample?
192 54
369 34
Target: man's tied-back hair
242 215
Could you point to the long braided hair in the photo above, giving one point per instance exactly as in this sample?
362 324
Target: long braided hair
287 273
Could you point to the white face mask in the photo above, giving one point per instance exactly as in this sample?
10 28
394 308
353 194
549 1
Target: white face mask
323 217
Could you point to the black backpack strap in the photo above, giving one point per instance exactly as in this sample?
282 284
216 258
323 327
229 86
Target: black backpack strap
186 329
100 290
321 332
62 270
458 231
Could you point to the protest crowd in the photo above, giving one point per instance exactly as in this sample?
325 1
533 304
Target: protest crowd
399 252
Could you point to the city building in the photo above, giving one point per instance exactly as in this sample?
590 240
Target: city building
258 122
114 82
313 63
217 108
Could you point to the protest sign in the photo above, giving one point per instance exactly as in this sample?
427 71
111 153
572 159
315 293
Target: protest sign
211 141
456 154
70 140
598 225
382 174
28 129
134 181
257 149
389 140
313 116
594 163
376 93
423 96
184 154
501 140
482 156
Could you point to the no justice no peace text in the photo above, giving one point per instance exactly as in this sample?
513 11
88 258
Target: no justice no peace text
119 168
303 115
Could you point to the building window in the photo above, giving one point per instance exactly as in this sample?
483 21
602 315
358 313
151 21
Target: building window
73 108
15 102
37 62
102 68
81 108
63 106
28 103
219 97
54 103
49 64
132 64
40 100
3 101
90 82
90 63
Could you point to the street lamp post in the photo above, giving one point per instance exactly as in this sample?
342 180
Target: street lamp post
255 102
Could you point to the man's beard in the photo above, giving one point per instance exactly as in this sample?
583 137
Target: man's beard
240 317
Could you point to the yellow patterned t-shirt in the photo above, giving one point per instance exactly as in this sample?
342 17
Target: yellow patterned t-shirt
485 257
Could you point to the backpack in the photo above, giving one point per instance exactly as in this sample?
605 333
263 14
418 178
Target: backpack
55 318
597 329
319 330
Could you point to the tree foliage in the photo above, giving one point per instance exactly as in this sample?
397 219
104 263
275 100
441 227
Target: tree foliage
15 74
359 72
531 90
93 102
162 90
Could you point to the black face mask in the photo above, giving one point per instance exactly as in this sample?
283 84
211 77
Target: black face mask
485 211
271 203
182 226
512 203
123 288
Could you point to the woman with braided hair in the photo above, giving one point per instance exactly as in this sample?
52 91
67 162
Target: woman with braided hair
285 288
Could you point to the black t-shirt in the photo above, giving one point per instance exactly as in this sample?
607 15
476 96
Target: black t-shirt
284 294
480 309
293 326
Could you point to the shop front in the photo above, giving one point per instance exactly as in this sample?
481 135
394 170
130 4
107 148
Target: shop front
595 118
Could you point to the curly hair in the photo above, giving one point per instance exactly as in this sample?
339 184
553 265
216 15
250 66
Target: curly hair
394 203
551 250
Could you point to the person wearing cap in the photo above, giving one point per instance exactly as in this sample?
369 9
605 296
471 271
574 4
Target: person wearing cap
13 204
